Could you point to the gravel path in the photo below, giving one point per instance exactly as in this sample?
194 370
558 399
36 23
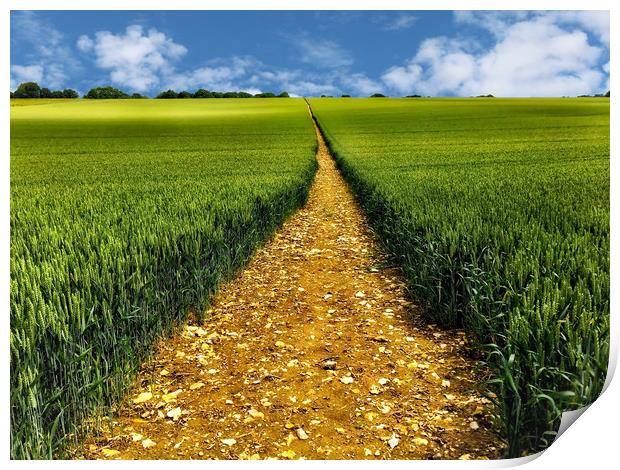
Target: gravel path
313 352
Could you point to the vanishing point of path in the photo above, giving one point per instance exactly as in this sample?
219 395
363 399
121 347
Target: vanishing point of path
313 352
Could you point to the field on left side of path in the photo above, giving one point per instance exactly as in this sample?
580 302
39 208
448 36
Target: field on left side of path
124 215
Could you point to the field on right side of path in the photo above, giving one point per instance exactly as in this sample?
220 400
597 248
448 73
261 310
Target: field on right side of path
498 210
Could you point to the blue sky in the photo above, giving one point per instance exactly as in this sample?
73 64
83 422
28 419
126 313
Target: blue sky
438 53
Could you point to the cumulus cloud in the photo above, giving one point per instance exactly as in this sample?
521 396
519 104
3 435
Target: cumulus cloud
136 59
85 44
593 22
535 56
439 66
606 68
25 73
51 59
359 83
403 78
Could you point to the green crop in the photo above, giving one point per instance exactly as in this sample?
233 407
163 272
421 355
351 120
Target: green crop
498 211
125 215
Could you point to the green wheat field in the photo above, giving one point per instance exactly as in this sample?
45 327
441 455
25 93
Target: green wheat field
126 215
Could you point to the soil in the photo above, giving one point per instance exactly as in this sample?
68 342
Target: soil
314 351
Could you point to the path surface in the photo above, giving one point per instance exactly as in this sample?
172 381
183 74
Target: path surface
312 352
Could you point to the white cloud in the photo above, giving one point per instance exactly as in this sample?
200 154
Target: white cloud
135 59
51 60
310 88
323 53
402 21
85 44
145 61
360 84
403 78
495 22
297 82
251 90
216 78
498 22
531 54
25 73
440 65
532 57
540 59
594 22
606 68
275 76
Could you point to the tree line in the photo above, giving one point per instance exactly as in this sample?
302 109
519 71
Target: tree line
202 93
33 90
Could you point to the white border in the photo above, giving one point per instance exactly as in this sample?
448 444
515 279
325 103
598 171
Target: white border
590 442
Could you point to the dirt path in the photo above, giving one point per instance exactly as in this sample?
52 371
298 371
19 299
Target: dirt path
312 352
